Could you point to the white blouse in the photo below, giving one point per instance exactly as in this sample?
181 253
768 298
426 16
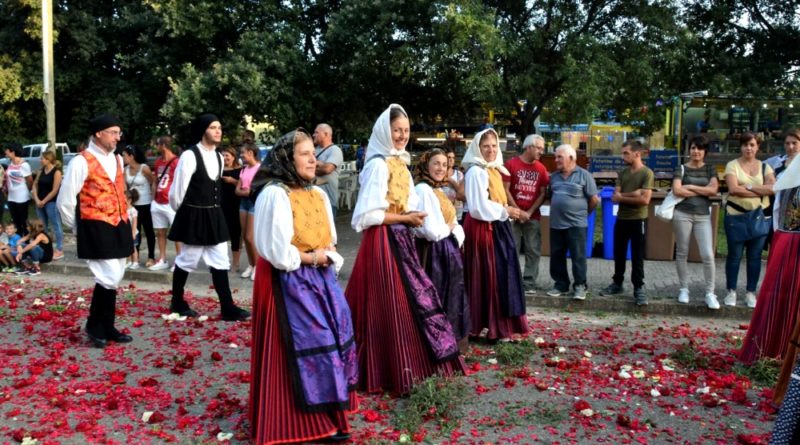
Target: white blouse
372 204
273 231
476 189
434 228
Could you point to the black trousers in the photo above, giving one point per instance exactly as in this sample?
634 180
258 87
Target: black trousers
146 225
19 215
633 231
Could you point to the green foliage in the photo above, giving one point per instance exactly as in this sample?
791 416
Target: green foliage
438 399
688 356
763 372
514 354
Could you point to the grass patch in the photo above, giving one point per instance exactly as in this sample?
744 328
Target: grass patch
56 308
689 357
438 399
763 372
514 354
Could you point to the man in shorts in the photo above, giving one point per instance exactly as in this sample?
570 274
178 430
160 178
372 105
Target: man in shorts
160 210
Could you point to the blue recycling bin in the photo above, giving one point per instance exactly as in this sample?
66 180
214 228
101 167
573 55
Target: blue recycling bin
609 219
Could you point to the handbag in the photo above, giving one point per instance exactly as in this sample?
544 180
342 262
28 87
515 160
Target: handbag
666 209
751 224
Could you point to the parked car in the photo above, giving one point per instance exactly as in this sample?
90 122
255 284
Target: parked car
32 154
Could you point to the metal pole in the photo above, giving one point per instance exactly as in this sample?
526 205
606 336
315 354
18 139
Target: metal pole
47 65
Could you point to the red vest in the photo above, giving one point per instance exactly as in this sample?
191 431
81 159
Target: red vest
100 199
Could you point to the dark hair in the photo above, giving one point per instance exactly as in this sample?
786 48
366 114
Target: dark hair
395 113
132 194
421 172
14 147
747 137
278 165
793 132
449 149
168 142
633 144
231 150
137 153
699 141
252 148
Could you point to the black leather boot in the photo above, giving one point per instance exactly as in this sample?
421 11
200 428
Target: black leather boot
230 312
94 325
110 310
178 303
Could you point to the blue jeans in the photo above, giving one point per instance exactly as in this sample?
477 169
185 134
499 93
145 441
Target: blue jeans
34 254
753 262
574 239
49 215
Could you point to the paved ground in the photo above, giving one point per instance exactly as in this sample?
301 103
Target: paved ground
661 281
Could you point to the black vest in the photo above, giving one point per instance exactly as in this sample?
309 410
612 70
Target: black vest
199 220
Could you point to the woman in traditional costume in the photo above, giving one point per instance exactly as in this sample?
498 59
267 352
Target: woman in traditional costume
303 366
439 241
402 332
491 265
779 297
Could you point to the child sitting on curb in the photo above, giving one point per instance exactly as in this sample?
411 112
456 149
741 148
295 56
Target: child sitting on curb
8 250
36 248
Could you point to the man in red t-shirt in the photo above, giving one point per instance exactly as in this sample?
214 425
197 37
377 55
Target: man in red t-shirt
160 210
525 188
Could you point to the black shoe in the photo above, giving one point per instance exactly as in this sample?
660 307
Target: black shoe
188 312
235 314
119 337
97 342
340 437
640 297
612 289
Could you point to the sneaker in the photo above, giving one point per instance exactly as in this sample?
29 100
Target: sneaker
750 298
253 275
640 297
34 270
612 289
683 296
730 298
554 292
134 266
711 301
149 263
58 255
127 265
246 273
579 293
159 265
20 271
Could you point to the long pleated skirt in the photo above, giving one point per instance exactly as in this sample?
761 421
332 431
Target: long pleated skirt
444 265
495 290
274 414
392 356
778 301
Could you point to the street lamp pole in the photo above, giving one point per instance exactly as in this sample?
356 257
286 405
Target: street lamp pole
47 65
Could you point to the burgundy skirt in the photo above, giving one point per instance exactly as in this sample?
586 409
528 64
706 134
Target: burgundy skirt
481 279
391 354
775 314
274 413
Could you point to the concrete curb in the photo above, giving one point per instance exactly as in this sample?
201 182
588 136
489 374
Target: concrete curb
80 270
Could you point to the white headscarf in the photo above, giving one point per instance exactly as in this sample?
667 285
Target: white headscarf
380 141
473 155
790 178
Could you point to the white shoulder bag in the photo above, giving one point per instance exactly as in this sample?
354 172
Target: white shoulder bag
666 209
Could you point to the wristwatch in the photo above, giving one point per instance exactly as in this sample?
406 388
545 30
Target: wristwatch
749 187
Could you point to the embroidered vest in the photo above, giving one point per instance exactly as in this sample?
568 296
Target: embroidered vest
399 178
100 199
448 209
496 191
310 220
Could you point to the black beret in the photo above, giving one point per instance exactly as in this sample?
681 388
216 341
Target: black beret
103 121
200 124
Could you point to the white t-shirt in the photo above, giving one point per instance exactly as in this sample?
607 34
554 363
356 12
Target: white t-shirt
15 181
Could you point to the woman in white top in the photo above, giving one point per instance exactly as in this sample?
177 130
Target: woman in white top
139 177
440 240
491 266
402 333
19 180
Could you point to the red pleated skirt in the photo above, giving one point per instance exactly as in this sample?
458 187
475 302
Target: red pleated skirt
274 414
775 314
391 353
480 279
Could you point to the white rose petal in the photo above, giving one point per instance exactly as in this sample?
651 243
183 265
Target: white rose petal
19 289
404 438
202 318
492 361
173 317
562 349
80 300
37 302
538 341
587 412
703 390
29 441
623 374
587 354
146 416
654 392
80 391
233 345
638 373
224 437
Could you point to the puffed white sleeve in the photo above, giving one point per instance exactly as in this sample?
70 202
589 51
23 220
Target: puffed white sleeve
187 164
476 189
71 185
433 227
371 204
274 231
